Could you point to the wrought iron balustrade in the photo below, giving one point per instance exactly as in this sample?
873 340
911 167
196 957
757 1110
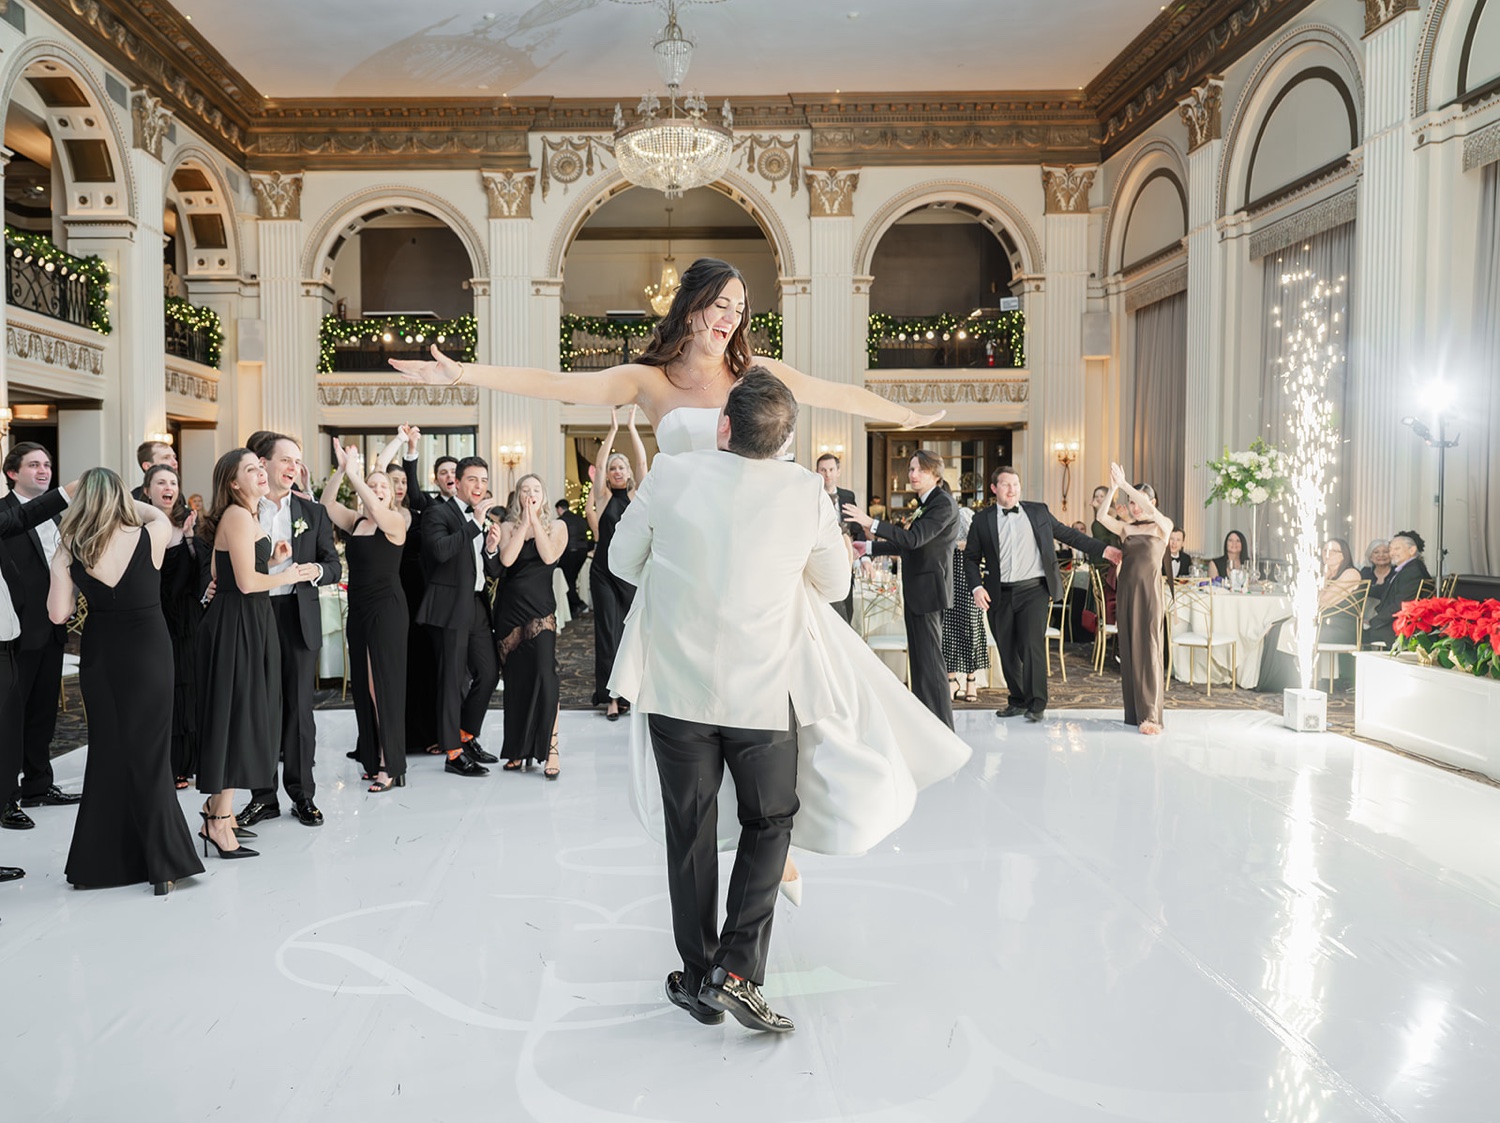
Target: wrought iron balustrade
46 288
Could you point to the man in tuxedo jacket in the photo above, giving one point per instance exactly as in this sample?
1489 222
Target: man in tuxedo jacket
926 551
705 655
458 553
830 467
26 737
576 553
1408 573
1011 543
1177 562
149 454
289 517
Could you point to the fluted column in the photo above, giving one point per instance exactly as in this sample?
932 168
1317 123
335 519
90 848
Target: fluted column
834 336
1381 388
5 155
1057 366
289 382
1201 113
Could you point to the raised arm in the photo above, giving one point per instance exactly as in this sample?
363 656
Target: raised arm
637 449
594 508
386 517
158 529
384 457
846 398
1141 500
1106 520
596 388
342 516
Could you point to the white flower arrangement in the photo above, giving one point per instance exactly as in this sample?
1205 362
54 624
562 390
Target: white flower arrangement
1249 477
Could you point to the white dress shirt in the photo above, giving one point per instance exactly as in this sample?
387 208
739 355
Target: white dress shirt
10 623
46 531
468 513
276 520
1020 560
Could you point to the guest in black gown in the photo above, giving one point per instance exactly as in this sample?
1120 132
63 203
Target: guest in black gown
378 622
239 653
184 575
614 487
129 827
531 543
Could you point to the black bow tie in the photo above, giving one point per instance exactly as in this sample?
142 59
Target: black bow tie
1010 510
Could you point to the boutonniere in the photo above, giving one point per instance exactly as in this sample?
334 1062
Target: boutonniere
918 514
299 527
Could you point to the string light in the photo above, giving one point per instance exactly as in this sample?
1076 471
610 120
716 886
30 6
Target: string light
462 334
92 271
202 320
1007 330
764 329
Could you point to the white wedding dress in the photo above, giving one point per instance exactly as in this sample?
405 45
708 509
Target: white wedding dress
858 770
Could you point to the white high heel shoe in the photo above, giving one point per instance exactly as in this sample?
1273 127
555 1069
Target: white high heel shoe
792 890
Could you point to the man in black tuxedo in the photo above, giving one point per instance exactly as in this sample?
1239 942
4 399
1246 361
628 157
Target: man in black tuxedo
830 467
149 454
38 651
576 554
457 555
1178 563
16 523
1408 571
926 551
1012 542
289 517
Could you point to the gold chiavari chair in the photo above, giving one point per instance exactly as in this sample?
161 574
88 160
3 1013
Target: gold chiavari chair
1191 606
1056 633
75 628
1351 606
1104 625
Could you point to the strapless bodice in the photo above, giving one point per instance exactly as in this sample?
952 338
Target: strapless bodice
688 429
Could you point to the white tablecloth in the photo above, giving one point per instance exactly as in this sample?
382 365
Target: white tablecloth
1248 617
331 602
879 613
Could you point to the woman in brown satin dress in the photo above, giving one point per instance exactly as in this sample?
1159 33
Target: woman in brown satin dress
1139 600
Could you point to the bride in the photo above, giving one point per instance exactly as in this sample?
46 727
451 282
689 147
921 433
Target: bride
859 770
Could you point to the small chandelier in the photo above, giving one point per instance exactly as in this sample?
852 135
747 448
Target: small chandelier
660 294
673 154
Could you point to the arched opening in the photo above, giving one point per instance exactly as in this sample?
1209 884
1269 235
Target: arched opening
1156 221
1479 64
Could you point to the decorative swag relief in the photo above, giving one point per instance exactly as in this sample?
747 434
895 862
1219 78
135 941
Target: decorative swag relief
193 386
396 394
280 196
26 343
989 392
831 192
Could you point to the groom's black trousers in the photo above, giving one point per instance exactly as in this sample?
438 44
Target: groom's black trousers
691 758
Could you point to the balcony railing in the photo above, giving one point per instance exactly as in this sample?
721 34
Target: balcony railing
41 278
912 342
193 333
599 342
368 344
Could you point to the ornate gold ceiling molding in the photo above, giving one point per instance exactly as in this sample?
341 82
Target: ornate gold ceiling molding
320 134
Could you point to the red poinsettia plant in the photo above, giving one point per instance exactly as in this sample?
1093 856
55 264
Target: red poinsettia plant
1452 632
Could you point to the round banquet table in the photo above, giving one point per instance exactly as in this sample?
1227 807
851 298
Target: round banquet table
877 612
1248 617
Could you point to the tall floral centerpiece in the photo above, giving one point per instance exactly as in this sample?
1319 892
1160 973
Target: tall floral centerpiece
1247 479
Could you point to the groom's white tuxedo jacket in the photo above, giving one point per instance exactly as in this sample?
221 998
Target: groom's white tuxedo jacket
729 556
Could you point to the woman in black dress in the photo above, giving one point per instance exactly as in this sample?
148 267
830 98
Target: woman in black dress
965 649
239 655
184 575
377 627
129 828
613 489
531 543
1236 555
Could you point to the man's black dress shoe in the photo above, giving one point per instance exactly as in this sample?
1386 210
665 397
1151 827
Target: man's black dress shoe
1033 715
741 999
475 752
1011 711
462 765
257 811
677 993
52 797
307 813
12 818
10 873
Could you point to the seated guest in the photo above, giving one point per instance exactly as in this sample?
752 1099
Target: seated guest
1067 555
1407 574
1378 568
1179 561
1236 555
1278 660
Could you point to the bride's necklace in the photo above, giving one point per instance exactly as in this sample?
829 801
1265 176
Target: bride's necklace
693 379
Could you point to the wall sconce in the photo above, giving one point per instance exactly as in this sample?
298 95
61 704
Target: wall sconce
6 416
837 450
160 438
511 456
1067 455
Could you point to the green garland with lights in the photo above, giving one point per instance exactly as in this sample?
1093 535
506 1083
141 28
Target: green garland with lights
33 247
767 323
446 334
203 320
1006 328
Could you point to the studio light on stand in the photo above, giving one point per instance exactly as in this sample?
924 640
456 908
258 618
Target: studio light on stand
1440 395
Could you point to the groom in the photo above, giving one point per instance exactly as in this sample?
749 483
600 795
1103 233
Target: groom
705 656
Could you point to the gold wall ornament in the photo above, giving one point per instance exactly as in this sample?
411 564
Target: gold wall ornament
1202 112
509 193
23 342
280 196
773 158
1068 188
150 119
402 394
831 192
568 160
193 386
1378 13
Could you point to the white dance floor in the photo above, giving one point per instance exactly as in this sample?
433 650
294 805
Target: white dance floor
1227 924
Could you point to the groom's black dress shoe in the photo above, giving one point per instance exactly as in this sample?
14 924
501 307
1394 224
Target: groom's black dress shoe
677 993
462 765
10 873
475 752
1011 711
1033 715
307 813
741 999
12 818
52 797
257 811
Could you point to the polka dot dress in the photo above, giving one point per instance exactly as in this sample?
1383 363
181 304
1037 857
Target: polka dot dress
964 649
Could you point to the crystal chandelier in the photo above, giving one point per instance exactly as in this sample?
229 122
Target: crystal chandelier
673 153
660 294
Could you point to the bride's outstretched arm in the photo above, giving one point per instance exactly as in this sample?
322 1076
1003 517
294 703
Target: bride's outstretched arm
595 388
845 398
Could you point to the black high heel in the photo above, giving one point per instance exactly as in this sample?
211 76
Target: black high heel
393 782
239 852
551 771
239 831
162 888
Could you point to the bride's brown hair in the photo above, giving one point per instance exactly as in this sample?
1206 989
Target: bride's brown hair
701 285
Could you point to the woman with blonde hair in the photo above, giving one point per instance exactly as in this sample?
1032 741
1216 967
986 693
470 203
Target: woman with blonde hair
129 828
530 543
614 486
239 654
374 538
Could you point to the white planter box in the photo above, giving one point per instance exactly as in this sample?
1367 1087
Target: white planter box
1446 715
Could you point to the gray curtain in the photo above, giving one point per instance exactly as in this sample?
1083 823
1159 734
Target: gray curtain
1482 394
1160 421
1330 255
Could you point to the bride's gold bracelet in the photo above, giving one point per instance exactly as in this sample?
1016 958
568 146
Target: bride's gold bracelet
460 377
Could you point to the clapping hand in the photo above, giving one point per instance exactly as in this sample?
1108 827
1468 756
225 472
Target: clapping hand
280 552
189 523
630 419
442 371
492 538
1117 476
412 435
340 457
